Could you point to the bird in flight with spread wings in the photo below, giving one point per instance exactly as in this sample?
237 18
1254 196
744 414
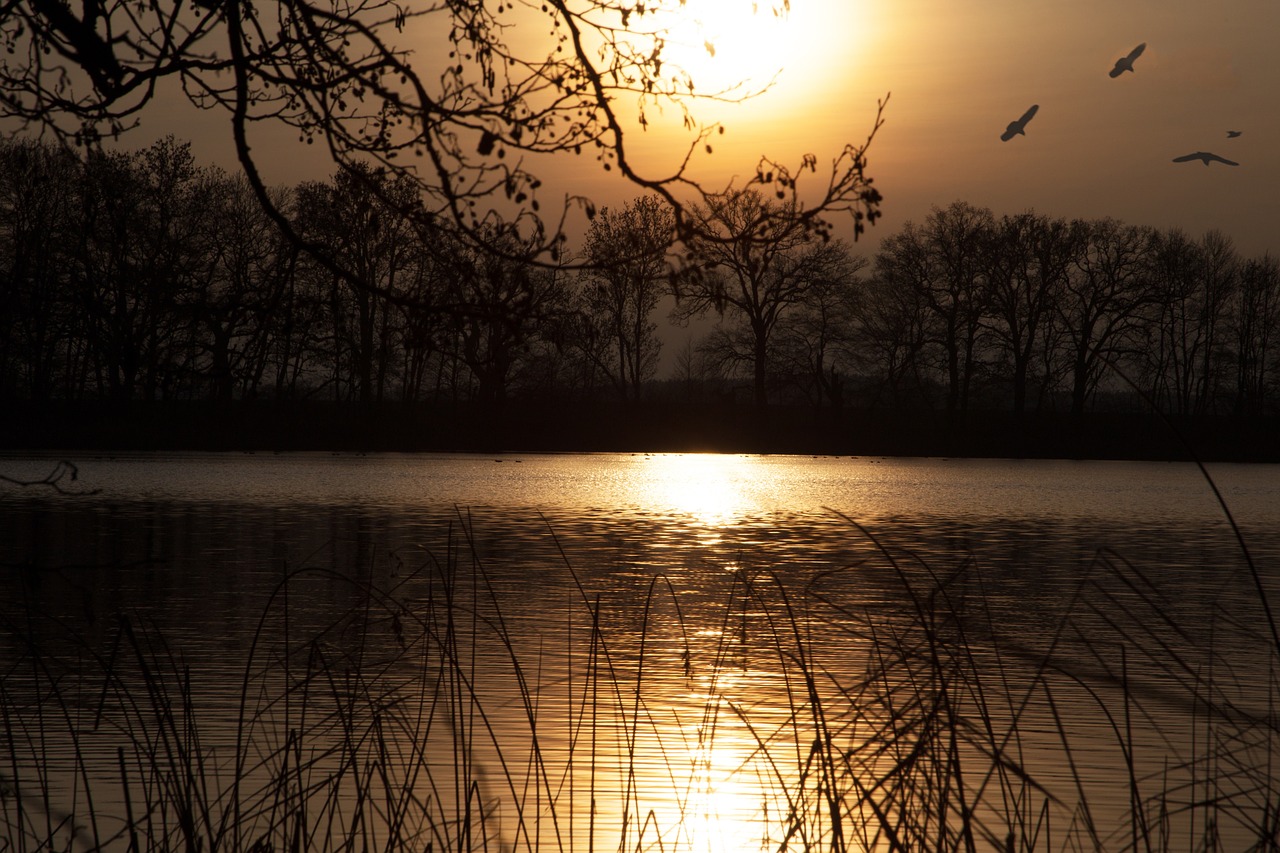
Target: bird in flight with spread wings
1019 126
1204 157
1125 63
1232 134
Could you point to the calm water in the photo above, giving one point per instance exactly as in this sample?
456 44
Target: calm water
1029 561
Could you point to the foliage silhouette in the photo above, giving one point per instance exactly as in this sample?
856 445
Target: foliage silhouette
146 277
462 100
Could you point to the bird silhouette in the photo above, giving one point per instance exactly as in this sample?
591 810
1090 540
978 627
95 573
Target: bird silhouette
1125 63
1204 157
1232 134
1019 126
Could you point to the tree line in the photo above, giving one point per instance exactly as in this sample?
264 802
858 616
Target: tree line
144 275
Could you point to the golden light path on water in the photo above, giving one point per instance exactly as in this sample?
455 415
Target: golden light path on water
709 487
714 786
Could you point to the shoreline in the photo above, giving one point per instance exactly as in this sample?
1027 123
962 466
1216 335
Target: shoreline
657 428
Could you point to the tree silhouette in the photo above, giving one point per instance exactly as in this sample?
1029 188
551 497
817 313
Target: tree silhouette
626 278
467 117
1101 310
358 215
502 305
755 259
146 276
1028 259
943 262
1255 319
244 296
37 200
139 256
892 335
814 340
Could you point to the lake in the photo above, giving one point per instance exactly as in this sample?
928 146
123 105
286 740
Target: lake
644 651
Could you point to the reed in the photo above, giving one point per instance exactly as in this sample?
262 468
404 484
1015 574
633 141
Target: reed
420 720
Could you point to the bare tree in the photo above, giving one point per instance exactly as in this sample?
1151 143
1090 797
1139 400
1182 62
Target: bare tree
1256 317
1101 308
244 294
38 196
892 333
1028 258
626 278
138 257
754 259
1194 281
943 261
377 245
464 119
500 307
1221 281
814 339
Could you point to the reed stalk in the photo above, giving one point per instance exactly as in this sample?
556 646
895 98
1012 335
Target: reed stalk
422 720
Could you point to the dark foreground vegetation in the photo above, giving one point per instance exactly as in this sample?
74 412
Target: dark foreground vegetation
887 708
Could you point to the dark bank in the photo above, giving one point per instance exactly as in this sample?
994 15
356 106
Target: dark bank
557 426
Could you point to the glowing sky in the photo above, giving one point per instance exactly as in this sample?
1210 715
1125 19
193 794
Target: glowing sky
959 72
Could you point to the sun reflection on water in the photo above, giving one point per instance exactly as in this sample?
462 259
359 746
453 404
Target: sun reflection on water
713 489
726 797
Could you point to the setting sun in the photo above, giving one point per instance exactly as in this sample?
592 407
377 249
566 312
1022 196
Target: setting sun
735 48
772 74
742 47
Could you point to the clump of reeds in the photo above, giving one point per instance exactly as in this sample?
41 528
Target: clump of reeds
421 721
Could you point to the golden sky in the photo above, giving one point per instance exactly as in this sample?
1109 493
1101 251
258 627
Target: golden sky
959 72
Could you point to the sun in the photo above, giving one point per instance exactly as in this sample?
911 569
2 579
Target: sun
766 68
729 47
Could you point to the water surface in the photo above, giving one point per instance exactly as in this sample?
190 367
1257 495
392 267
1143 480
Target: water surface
686 562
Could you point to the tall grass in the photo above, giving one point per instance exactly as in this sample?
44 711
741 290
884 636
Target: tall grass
426 720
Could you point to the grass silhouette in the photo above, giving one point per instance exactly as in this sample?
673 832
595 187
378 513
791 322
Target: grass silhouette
424 719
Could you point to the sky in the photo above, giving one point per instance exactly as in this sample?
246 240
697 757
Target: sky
956 73
959 72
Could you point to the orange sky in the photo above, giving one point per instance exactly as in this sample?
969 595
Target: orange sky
958 73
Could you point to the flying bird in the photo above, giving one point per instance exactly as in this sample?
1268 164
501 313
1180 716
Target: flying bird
1125 63
1232 134
1019 126
1204 157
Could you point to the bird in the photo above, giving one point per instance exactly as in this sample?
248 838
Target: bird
1232 134
1125 63
1204 157
1019 126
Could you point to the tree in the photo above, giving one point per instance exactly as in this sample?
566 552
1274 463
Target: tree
500 305
463 120
625 279
139 254
814 339
1027 261
1193 284
38 196
377 245
752 257
1101 308
892 333
1255 320
943 261
245 294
